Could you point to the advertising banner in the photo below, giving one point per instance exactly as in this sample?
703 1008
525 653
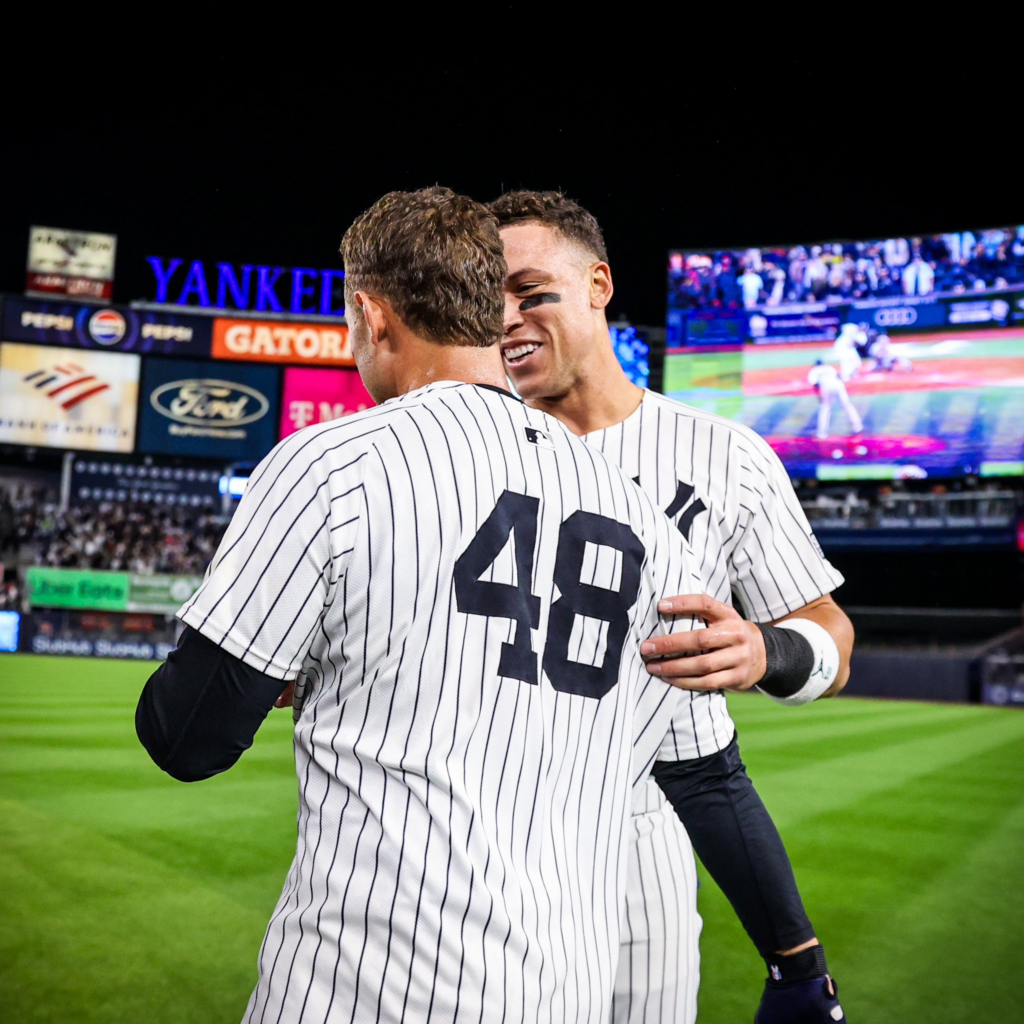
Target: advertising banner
224 411
100 479
93 590
77 588
811 323
96 634
893 316
110 328
63 398
315 396
279 341
711 327
160 594
980 311
77 263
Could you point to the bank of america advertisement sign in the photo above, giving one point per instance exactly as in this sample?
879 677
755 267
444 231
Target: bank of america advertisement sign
215 410
68 398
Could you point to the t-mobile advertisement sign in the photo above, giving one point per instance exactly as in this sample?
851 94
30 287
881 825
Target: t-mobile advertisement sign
315 396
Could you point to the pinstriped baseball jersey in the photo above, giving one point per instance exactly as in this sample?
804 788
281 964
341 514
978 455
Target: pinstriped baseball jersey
461 587
730 496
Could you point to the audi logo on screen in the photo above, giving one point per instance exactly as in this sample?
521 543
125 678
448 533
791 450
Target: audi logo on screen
898 316
209 403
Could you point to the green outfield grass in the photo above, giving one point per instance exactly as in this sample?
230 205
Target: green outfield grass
128 897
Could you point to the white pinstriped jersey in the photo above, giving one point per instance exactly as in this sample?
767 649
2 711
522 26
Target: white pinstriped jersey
462 587
731 497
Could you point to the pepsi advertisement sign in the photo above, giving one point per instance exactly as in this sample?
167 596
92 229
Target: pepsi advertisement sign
114 328
214 410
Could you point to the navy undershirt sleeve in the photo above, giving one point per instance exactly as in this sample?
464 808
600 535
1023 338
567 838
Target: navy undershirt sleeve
200 710
737 841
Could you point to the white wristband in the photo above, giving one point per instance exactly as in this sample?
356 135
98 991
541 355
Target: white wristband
825 666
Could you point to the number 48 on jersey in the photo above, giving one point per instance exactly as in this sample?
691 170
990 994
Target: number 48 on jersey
518 514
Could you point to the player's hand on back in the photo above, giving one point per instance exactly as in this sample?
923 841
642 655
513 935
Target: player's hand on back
728 654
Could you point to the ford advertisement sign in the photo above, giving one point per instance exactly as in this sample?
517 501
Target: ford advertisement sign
217 410
114 328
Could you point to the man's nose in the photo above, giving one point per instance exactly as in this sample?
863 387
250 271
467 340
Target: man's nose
513 318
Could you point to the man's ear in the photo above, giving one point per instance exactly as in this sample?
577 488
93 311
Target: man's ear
601 287
375 314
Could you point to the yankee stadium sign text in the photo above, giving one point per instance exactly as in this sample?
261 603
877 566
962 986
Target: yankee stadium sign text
264 289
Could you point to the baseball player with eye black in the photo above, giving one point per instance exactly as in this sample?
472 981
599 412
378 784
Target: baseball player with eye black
729 495
457 588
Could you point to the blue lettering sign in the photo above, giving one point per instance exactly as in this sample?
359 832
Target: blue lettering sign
327 279
195 284
266 297
300 290
163 277
227 281
312 291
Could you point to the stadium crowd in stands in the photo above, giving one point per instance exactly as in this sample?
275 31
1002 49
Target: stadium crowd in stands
122 537
842 271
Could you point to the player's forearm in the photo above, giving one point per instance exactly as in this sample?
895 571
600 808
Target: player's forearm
200 710
737 841
827 614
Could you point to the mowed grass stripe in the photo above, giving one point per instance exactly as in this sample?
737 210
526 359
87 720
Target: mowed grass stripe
781 744
965 926
794 795
880 876
132 897
93 932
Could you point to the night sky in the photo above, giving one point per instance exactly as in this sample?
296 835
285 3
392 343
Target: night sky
273 173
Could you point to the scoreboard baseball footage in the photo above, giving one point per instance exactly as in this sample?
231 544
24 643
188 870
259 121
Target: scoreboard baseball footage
894 358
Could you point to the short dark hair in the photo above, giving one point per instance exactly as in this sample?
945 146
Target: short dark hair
437 259
555 210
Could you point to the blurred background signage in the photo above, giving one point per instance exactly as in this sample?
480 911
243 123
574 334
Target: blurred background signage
78 264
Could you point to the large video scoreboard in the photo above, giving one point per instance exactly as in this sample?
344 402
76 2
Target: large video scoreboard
899 357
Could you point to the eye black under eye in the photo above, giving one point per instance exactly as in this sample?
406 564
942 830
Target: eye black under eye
538 299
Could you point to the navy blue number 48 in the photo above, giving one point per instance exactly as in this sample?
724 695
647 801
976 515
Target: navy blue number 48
517 514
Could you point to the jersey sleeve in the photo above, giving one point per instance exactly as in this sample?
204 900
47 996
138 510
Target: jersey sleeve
777 564
271 581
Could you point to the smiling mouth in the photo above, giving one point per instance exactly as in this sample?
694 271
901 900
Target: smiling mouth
514 355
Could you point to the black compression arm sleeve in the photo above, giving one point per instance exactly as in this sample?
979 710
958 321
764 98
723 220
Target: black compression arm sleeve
737 841
200 709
